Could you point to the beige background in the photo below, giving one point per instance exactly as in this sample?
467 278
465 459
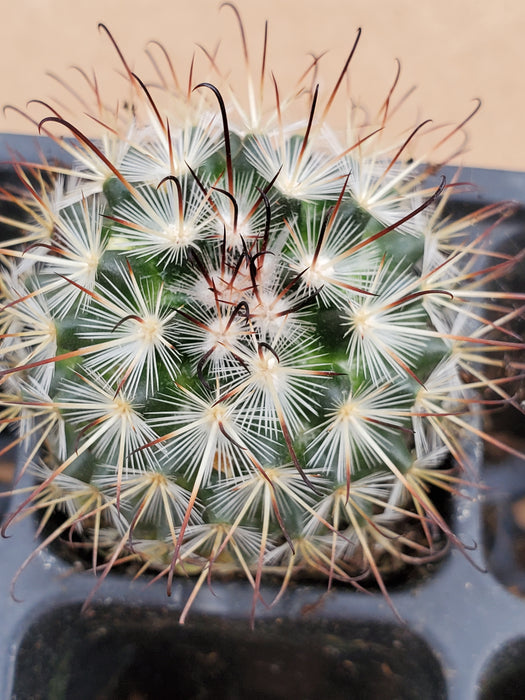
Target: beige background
454 50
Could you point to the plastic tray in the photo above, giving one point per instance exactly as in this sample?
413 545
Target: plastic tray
463 636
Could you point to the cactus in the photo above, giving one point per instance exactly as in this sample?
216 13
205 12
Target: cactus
240 345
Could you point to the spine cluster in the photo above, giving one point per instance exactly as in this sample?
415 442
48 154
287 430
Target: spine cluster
238 345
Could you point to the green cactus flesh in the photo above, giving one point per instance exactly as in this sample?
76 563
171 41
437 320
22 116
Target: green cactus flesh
242 344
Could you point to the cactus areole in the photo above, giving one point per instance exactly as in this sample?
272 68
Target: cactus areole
240 343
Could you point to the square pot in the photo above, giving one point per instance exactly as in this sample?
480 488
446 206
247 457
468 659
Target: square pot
463 635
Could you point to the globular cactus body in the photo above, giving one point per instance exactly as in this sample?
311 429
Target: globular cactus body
239 346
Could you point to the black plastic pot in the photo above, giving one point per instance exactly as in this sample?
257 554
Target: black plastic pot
463 637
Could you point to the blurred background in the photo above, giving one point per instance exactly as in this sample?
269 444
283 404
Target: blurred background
453 50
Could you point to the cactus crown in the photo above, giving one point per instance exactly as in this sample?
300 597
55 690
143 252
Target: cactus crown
246 345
